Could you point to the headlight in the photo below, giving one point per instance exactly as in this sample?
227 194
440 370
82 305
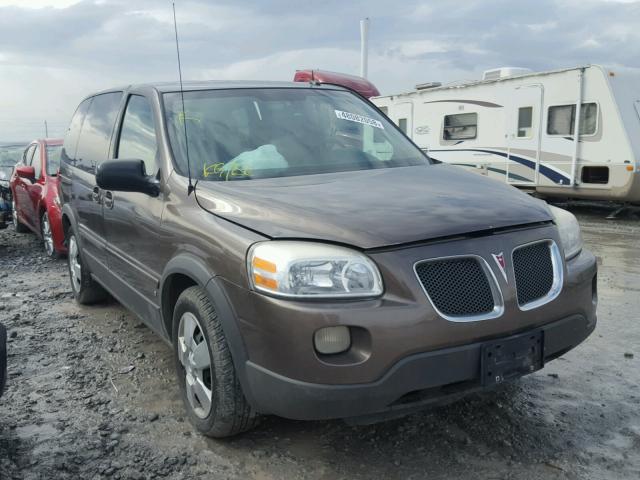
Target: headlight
312 270
569 231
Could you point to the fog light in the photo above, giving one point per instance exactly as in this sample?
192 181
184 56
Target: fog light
331 340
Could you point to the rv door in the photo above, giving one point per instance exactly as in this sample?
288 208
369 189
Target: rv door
524 122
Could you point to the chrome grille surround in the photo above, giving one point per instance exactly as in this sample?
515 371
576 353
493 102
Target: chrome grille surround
555 283
489 276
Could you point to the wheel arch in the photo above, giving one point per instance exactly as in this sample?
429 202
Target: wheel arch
68 222
186 270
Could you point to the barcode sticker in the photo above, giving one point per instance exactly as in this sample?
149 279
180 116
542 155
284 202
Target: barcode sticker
354 117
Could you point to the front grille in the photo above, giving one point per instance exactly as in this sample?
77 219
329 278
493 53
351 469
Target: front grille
457 287
533 268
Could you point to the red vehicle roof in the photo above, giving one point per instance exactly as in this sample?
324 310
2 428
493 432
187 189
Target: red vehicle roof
361 85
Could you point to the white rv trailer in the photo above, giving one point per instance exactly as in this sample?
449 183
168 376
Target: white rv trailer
521 127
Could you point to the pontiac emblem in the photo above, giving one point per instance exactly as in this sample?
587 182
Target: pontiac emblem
499 258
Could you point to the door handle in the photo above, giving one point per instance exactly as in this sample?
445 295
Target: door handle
108 200
96 194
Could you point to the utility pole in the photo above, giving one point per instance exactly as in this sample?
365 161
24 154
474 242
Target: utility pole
46 129
364 47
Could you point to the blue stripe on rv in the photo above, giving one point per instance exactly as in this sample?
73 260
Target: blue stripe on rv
556 177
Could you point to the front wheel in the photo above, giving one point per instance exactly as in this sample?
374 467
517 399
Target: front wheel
208 381
17 224
85 290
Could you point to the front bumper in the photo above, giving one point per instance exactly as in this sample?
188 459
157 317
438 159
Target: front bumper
404 353
414 382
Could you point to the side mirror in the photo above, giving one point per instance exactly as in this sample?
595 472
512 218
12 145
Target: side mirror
25 171
126 176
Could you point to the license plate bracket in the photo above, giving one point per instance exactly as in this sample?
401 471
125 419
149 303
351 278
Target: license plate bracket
512 357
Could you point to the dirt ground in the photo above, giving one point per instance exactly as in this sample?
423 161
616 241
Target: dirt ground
91 394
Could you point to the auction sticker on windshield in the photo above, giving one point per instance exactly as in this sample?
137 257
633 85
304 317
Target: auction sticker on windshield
354 117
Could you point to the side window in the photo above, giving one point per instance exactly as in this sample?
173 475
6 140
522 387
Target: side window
402 125
561 119
53 159
525 122
138 135
461 126
95 135
588 118
68 154
36 162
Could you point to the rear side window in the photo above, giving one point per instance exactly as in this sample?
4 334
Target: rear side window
95 134
138 135
36 162
461 126
68 154
561 119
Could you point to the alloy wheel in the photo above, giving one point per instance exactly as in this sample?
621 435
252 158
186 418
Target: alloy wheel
193 352
46 235
14 214
74 264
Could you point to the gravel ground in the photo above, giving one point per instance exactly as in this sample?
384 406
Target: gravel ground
91 394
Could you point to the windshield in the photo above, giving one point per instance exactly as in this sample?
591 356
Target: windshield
11 155
245 134
53 159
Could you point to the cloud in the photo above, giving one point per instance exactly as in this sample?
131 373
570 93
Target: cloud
38 3
55 52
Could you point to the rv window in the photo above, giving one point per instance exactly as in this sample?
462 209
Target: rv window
561 119
402 125
588 118
462 126
525 122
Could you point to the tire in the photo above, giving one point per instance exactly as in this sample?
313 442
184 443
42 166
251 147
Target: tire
47 237
85 290
17 224
197 332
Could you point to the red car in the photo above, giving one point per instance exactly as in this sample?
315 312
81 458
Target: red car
34 184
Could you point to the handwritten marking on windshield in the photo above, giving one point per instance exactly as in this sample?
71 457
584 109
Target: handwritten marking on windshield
182 116
219 170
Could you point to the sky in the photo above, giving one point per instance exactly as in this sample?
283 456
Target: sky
55 52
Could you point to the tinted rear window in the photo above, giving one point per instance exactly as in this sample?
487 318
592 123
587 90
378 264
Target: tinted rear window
95 135
73 133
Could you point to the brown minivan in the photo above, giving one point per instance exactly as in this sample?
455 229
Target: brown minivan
306 259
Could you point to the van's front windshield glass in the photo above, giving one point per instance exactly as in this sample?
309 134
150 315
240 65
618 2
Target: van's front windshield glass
244 134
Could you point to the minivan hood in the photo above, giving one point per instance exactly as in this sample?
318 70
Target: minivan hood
372 208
